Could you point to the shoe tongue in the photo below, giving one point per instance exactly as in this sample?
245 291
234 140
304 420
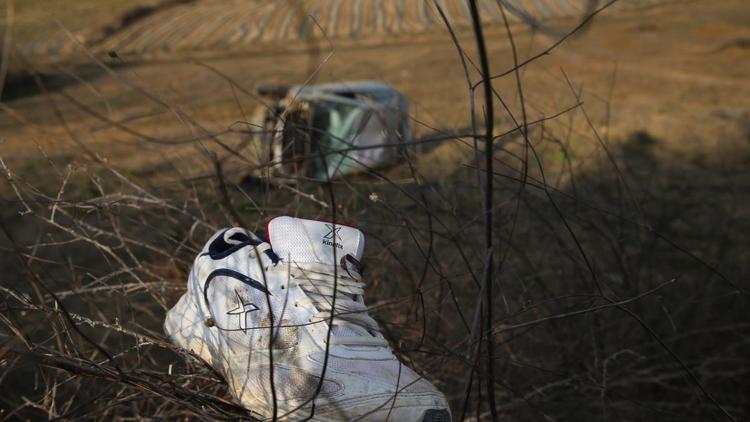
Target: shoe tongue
311 241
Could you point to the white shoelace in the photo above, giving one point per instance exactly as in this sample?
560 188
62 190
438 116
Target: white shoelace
319 283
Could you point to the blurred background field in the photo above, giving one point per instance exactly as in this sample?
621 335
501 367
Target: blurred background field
632 187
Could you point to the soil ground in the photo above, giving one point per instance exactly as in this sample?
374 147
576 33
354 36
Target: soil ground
648 166
677 72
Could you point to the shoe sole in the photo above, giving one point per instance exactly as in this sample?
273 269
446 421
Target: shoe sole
436 415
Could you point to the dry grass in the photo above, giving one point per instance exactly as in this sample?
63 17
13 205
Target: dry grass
35 19
621 270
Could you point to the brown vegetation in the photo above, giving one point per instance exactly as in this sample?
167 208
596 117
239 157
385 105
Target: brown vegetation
620 232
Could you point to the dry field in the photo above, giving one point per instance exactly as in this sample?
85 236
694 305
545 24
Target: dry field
621 262
153 28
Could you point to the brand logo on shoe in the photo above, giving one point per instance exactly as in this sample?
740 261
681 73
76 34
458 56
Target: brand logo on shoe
333 237
243 308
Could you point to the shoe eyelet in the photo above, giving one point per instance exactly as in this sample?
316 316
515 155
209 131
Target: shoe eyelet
209 322
283 287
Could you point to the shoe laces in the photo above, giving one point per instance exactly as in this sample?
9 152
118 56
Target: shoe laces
320 282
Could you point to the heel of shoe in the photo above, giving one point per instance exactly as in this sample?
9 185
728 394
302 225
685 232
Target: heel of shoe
186 328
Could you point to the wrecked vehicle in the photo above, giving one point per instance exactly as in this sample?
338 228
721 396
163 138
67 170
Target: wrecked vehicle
323 131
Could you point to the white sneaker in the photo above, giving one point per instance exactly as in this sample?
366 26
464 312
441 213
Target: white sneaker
240 287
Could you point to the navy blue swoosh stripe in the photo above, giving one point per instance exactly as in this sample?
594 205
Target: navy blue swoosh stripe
221 255
217 255
220 249
226 272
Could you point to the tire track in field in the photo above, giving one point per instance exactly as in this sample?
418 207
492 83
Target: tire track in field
216 25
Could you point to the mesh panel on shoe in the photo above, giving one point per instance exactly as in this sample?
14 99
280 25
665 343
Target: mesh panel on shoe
289 238
384 370
286 334
295 383
344 331
290 383
312 241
